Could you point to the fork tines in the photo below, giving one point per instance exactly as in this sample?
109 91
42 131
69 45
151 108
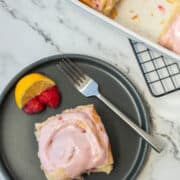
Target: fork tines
71 71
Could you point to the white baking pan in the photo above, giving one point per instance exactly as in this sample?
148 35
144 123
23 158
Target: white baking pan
129 33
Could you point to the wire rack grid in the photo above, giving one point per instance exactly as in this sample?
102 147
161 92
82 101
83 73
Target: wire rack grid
162 75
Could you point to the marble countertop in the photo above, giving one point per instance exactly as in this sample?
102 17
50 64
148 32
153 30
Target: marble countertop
34 29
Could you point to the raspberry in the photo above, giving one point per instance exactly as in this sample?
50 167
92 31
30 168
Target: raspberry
33 106
50 97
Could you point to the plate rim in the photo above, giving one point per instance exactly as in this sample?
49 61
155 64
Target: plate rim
144 149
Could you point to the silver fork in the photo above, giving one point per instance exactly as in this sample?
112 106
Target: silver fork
89 87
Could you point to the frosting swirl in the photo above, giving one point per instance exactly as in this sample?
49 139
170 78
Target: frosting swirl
74 141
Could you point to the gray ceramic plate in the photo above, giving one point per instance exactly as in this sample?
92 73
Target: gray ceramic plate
17 141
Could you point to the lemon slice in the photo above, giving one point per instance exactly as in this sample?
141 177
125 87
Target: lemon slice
29 86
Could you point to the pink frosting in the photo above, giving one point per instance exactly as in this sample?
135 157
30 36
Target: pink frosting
97 5
173 36
64 144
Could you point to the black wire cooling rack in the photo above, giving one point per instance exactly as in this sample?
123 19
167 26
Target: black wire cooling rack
162 75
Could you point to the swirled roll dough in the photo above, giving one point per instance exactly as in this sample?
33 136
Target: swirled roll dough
73 143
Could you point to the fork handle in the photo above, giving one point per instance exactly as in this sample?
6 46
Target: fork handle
155 143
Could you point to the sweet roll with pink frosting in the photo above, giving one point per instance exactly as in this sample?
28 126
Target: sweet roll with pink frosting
73 143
